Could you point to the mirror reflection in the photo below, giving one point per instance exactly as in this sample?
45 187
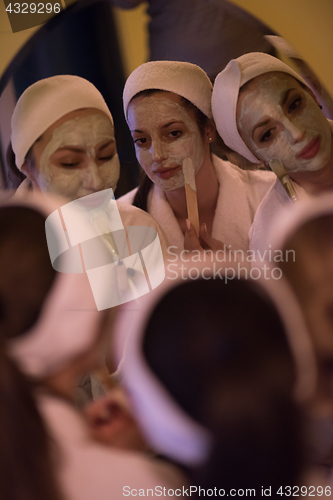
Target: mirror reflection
223 139
86 41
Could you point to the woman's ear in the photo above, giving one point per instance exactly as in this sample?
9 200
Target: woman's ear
210 131
28 167
312 94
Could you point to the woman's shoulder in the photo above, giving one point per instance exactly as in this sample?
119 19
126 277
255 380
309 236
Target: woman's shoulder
128 197
264 176
248 176
133 216
255 183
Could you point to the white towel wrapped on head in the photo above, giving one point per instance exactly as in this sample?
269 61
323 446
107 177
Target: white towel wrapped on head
226 89
45 102
182 78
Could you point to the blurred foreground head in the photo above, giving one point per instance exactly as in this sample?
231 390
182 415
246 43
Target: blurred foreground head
307 229
211 370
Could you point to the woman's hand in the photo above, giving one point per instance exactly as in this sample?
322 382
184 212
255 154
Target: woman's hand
204 242
110 422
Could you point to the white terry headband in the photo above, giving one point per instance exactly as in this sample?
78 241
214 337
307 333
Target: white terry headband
291 218
68 321
298 336
185 79
226 89
45 102
168 428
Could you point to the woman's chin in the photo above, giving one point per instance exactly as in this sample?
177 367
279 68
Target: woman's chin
95 200
171 184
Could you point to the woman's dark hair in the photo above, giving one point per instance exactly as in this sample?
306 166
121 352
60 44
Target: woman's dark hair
26 472
26 270
145 184
221 352
26 275
141 196
13 176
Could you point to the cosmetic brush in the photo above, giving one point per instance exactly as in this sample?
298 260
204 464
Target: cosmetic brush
191 194
279 170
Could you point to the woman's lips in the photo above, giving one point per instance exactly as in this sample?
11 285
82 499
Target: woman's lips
311 150
166 173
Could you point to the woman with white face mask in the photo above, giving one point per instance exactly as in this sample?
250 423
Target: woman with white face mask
167 108
265 111
63 138
63 141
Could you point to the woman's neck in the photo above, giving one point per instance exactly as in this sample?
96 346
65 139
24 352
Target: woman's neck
207 194
317 181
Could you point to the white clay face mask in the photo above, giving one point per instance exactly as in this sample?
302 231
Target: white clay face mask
298 133
73 174
161 149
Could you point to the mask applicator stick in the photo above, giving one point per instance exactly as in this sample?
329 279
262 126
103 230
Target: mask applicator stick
279 170
191 194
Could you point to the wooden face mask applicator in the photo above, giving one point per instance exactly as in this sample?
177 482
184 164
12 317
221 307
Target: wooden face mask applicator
191 194
279 170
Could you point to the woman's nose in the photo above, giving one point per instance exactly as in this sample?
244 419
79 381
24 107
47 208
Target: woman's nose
94 180
157 151
297 133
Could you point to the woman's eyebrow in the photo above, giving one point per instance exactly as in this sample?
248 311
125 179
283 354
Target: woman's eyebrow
111 141
166 125
285 97
72 148
171 123
260 124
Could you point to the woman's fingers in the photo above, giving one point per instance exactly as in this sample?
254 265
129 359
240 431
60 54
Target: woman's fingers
204 242
112 424
208 242
192 241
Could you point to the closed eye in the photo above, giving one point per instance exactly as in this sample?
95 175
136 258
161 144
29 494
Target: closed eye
106 158
69 165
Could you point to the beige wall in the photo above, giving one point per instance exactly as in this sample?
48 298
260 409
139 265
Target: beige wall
306 24
132 30
10 43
